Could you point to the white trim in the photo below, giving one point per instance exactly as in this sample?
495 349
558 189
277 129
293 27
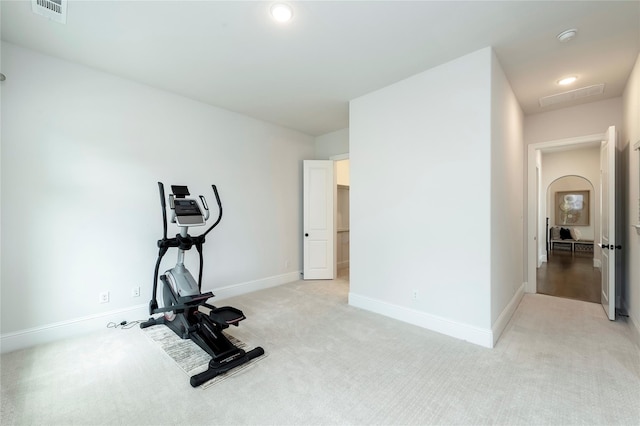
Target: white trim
239 289
339 157
636 147
472 334
597 263
343 264
74 327
532 204
569 141
64 329
504 318
634 324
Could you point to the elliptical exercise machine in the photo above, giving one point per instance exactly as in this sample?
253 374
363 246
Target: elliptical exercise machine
183 298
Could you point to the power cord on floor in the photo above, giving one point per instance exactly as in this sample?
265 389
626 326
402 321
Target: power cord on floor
124 325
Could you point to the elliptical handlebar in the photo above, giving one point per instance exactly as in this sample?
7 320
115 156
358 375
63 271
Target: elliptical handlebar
215 192
204 204
165 243
164 210
203 201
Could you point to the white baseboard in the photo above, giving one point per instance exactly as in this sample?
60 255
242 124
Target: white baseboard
74 327
542 259
251 286
64 329
476 335
502 321
634 323
530 288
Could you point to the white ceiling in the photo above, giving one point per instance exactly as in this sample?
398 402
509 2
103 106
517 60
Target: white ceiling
302 75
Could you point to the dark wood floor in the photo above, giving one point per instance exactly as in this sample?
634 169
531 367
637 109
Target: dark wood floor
570 275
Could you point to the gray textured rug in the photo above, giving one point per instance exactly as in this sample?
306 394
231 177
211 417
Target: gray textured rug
189 356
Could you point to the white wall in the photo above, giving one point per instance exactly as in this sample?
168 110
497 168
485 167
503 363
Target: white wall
330 144
507 201
630 135
421 199
81 154
581 120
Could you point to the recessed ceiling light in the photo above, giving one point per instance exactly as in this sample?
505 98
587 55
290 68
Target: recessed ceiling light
281 12
567 35
567 80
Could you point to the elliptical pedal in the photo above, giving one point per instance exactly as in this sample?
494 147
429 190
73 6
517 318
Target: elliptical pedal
226 316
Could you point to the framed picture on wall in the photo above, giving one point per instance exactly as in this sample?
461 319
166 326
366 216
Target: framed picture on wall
572 208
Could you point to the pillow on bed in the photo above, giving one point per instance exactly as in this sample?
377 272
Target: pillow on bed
555 232
565 233
575 234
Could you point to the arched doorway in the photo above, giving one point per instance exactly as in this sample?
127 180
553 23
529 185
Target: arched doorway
573 224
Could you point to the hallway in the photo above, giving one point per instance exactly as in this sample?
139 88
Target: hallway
570 275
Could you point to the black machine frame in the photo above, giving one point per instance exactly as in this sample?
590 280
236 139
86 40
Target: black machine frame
187 314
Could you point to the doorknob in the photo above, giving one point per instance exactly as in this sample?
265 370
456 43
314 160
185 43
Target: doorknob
306 234
605 246
619 247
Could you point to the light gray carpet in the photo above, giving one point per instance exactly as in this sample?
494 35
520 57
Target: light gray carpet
190 357
558 362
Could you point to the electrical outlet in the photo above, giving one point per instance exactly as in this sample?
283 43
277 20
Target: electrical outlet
286 264
135 291
104 297
414 295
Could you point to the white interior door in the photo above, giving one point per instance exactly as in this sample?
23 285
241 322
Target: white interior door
608 244
318 220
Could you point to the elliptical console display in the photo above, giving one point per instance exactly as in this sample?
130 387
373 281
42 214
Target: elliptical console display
184 307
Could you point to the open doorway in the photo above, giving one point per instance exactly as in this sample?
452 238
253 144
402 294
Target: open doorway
326 219
342 218
607 234
326 216
547 162
570 269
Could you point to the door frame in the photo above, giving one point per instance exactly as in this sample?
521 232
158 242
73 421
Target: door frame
339 157
533 197
336 158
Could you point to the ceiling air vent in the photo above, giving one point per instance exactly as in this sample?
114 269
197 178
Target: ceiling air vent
572 95
56 10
